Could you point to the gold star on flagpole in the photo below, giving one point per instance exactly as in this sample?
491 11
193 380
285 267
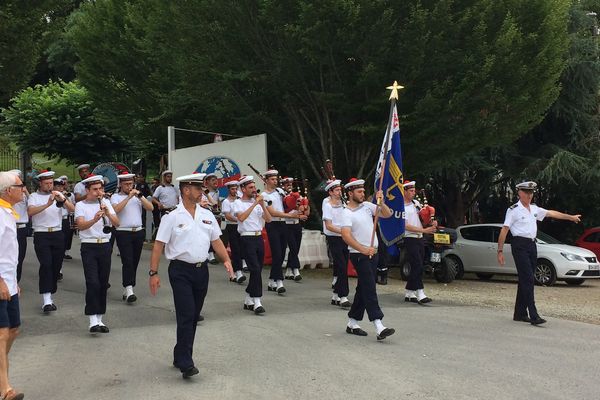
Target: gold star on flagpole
394 88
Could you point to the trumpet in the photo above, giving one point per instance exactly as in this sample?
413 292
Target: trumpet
106 229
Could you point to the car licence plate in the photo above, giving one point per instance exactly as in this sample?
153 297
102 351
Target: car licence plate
435 257
594 267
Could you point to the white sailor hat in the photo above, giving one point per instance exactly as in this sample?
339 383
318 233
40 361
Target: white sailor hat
93 179
197 177
125 176
210 175
63 178
59 181
45 175
271 172
529 185
246 180
333 183
287 179
82 166
408 184
167 171
354 183
232 183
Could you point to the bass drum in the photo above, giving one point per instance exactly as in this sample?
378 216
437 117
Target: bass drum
110 171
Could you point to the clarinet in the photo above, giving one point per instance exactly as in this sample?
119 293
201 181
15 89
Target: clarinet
106 229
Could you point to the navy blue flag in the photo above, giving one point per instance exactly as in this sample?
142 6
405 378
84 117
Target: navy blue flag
392 229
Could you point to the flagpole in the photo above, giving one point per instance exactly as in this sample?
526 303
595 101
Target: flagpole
393 97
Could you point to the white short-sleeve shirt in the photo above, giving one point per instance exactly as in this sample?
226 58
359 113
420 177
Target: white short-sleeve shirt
9 250
21 209
71 198
360 220
51 217
523 222
277 201
411 217
227 208
254 222
167 195
79 189
88 210
130 216
332 213
188 238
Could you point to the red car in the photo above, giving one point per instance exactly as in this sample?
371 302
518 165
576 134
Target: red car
590 239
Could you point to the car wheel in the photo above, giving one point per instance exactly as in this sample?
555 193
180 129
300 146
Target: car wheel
545 274
456 265
445 272
405 271
484 277
574 282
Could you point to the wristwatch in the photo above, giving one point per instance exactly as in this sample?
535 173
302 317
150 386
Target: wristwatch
152 273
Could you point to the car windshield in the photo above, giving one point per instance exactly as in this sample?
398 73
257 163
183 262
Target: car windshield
544 238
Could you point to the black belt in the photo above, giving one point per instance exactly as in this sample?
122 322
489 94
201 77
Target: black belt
523 238
191 265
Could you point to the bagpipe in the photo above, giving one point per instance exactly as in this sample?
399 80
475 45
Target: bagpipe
295 200
329 175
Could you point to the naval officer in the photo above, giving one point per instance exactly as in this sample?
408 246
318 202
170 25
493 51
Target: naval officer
186 234
357 230
521 219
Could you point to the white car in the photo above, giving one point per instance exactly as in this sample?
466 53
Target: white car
476 248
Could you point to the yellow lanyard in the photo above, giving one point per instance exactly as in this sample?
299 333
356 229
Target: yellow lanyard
6 204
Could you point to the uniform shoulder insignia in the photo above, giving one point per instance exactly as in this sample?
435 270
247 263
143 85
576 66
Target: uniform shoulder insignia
513 206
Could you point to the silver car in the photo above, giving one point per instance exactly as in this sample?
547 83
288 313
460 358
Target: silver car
476 247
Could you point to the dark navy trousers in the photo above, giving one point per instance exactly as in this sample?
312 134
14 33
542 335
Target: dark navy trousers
294 240
190 285
415 250
254 254
524 251
130 248
365 298
96 268
277 242
235 245
50 250
67 233
339 252
22 239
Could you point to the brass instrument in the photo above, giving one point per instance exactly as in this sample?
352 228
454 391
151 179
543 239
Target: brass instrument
106 229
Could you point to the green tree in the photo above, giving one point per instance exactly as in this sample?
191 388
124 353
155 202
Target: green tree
58 120
312 74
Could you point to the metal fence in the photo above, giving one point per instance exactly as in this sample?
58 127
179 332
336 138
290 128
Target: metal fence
9 159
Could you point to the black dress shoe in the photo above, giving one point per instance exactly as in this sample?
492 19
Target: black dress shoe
189 372
289 277
522 319
356 331
68 257
385 333
345 304
259 310
233 280
297 278
249 307
60 276
103 329
335 302
424 300
280 290
271 289
95 329
132 298
411 299
241 279
49 307
538 321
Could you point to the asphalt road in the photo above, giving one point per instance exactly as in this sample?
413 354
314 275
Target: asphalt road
297 350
